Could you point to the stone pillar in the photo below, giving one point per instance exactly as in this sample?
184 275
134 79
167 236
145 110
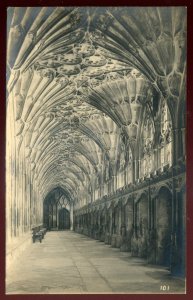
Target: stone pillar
124 240
139 168
178 232
152 231
133 172
71 217
183 141
134 241
113 236
175 145
180 268
115 183
57 218
155 164
125 177
101 190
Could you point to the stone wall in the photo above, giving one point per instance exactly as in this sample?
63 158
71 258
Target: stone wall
142 219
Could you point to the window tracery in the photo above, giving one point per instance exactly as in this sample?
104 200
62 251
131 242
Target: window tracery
165 140
129 166
147 147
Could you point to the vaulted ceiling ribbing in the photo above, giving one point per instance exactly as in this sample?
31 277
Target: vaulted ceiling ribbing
82 81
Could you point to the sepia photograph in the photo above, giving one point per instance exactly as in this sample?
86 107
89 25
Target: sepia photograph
96 150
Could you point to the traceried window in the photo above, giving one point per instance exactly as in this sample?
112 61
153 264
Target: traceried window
129 166
165 139
121 169
147 146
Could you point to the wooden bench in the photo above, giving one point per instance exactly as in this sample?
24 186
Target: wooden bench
38 233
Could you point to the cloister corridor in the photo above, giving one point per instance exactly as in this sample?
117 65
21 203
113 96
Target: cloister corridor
96 150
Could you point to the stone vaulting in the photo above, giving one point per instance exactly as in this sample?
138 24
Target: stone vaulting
95 137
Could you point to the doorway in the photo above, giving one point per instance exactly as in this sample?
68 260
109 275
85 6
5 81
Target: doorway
57 210
64 219
164 227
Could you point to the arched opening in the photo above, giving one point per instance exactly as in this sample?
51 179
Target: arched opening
102 225
116 225
56 210
129 222
163 221
96 224
180 265
64 219
142 225
108 231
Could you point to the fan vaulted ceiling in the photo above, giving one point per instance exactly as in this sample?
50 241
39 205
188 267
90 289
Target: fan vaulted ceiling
82 79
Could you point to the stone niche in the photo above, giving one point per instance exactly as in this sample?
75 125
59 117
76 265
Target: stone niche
179 262
116 236
142 225
102 225
108 230
127 226
163 222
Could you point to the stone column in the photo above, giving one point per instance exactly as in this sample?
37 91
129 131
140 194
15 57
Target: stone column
71 217
136 169
178 229
57 215
133 171
175 145
183 141
139 168
155 159
152 232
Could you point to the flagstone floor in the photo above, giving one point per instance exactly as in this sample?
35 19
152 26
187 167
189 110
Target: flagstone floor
69 263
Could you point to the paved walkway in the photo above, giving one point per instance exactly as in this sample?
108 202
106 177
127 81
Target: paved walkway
66 262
